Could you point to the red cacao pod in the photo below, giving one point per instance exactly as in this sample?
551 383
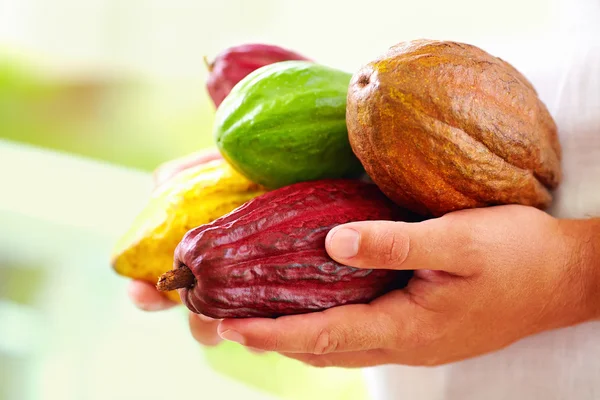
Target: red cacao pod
235 63
267 258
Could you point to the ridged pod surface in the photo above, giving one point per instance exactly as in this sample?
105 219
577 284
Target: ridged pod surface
195 196
442 126
234 63
267 258
286 123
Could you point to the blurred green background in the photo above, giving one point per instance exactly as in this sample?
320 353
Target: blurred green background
94 95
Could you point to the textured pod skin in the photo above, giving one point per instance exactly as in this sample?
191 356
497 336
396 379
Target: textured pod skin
195 196
235 63
442 126
286 123
267 258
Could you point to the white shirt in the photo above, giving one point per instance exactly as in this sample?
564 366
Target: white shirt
562 364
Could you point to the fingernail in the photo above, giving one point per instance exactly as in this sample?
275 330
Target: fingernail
204 318
151 306
158 305
232 336
255 350
343 243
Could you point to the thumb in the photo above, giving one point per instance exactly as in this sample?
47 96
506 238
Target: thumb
432 245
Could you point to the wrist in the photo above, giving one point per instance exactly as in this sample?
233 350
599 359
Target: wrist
593 261
586 249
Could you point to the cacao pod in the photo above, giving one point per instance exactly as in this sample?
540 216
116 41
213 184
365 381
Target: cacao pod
267 258
442 126
286 123
235 63
194 196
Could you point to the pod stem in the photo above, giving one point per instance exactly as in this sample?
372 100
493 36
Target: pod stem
179 278
208 64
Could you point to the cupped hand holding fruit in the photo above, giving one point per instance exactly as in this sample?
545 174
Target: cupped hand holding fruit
457 149
484 279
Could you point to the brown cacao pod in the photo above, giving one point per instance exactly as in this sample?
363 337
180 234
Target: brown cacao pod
442 126
267 258
235 63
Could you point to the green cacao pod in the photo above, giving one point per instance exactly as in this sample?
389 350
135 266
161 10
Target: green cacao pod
267 258
286 123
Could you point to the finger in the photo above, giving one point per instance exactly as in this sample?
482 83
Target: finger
352 359
145 296
204 329
429 245
255 351
171 168
340 329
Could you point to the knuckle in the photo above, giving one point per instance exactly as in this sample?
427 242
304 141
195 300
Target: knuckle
390 250
422 339
271 342
460 228
326 342
422 334
465 236
391 247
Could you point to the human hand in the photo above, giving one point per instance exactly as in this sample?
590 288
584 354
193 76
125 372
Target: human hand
169 169
484 279
144 294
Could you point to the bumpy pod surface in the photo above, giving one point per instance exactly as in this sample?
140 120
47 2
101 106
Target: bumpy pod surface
441 126
267 258
195 196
